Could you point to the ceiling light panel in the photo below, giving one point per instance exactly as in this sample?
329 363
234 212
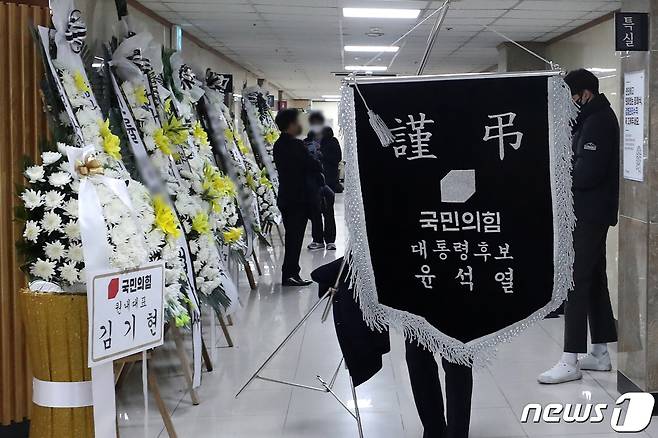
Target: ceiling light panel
372 49
366 68
381 13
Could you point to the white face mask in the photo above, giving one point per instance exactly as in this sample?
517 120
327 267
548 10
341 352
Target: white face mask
317 129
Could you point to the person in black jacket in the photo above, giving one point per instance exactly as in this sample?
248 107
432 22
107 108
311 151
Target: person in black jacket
316 182
596 203
332 155
294 164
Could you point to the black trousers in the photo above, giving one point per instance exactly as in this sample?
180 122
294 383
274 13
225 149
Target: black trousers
295 217
590 298
323 221
426 387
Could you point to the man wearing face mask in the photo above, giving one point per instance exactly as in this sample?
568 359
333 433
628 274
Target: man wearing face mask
596 203
294 164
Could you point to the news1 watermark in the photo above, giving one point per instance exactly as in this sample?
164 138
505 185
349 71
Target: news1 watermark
630 414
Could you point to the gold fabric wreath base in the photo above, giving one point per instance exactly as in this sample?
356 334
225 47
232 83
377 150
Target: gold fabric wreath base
56 332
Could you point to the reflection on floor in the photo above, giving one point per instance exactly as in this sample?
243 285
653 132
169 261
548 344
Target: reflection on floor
268 410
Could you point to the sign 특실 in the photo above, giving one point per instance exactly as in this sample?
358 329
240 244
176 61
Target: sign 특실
460 230
631 31
126 313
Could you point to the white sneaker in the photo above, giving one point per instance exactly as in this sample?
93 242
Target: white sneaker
560 373
595 363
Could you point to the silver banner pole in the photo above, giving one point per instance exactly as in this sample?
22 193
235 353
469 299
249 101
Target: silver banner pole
431 40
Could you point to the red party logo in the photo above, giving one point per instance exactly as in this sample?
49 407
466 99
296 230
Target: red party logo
113 289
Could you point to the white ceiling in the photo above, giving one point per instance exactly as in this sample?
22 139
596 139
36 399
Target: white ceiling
298 43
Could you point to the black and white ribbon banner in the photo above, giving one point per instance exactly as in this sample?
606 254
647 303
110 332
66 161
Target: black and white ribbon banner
460 230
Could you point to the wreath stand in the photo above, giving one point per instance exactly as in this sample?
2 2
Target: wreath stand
327 388
119 367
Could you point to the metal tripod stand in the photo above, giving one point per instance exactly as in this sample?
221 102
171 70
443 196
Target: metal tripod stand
324 387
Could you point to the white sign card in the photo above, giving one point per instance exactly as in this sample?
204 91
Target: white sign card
634 126
126 312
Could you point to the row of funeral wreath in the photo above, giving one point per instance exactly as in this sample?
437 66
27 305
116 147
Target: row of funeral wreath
175 179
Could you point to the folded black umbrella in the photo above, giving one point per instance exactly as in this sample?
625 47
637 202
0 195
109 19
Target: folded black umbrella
362 347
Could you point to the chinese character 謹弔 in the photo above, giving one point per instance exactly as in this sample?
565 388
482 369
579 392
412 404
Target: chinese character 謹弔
413 137
500 134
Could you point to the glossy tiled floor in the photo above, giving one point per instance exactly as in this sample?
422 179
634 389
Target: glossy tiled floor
267 410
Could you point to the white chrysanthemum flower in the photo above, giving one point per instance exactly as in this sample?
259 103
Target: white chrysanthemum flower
32 199
51 221
71 207
49 158
35 174
88 117
121 260
55 250
75 253
70 273
59 179
43 269
141 114
32 230
53 199
155 239
91 134
114 211
72 230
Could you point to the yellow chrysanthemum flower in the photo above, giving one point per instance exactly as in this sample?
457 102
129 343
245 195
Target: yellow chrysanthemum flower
228 135
271 136
251 182
162 142
175 130
216 206
200 223
111 142
165 220
264 181
200 134
232 235
183 320
140 95
80 82
243 148
224 185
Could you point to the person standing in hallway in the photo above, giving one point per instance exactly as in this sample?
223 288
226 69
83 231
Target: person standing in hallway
331 156
294 164
596 203
313 143
451 419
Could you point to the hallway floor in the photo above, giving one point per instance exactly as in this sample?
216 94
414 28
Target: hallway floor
268 410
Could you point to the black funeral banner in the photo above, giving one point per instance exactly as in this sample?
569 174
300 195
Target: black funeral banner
460 229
